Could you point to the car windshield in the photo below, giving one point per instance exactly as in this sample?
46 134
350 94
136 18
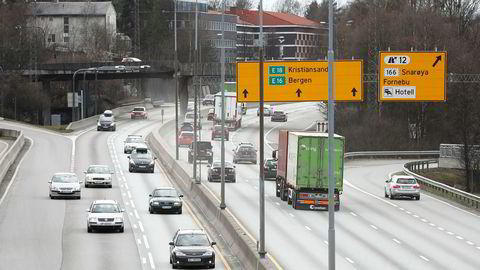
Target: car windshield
66 178
271 162
245 148
138 109
218 164
209 97
192 240
136 155
189 116
98 169
107 115
105 208
204 145
406 181
165 193
186 134
278 112
134 140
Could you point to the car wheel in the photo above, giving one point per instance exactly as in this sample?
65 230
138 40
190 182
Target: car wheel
255 162
179 211
51 197
78 198
150 210
417 198
121 230
391 196
89 230
385 191
114 129
110 186
153 170
98 129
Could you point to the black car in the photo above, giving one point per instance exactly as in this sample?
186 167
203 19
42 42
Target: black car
278 116
192 248
165 199
270 168
214 172
186 126
141 160
245 152
204 151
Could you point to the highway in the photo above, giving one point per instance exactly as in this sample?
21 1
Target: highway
39 233
372 232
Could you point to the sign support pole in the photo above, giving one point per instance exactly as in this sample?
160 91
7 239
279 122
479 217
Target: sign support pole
331 156
222 74
261 189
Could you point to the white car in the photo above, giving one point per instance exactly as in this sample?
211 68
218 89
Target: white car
189 118
65 185
131 143
267 110
98 175
402 186
105 215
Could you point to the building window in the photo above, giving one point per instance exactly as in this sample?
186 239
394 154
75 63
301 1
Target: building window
66 39
50 18
65 20
51 38
65 29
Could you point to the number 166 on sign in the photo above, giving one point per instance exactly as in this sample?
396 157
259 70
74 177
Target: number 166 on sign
391 72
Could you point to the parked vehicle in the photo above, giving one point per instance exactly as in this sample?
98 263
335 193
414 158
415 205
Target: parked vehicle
165 199
245 152
106 121
139 112
192 248
208 100
302 169
233 111
402 186
204 151
141 160
105 215
98 175
270 168
215 170
217 132
278 116
65 185
211 114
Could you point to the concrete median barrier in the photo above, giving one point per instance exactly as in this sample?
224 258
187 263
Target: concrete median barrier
11 154
226 225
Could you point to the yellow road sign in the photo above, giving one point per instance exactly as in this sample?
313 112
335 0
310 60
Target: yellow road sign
299 81
412 76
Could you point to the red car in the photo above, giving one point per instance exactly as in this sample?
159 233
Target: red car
139 112
185 138
217 132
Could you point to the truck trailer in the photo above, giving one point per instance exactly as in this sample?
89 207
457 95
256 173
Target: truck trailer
233 110
302 169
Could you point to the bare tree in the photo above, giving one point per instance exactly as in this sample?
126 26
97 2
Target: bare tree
288 6
244 4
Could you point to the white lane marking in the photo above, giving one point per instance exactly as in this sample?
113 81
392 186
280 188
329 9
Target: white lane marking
129 194
459 237
141 226
150 257
349 260
353 214
441 229
126 185
460 209
139 241
132 203
424 220
123 193
144 260
401 208
126 203
396 241
308 228
16 171
130 213
373 226
450 233
136 214
478 247
470 243
432 224
369 194
326 242
408 212
134 226
277 203
146 241
424 258
72 158
246 180
415 216
292 215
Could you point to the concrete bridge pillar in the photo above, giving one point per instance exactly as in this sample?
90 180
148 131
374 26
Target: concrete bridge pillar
46 104
183 94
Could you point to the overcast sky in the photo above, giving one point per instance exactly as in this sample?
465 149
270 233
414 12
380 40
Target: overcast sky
269 4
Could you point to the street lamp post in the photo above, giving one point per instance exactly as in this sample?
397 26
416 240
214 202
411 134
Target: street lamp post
73 88
176 79
195 78
222 88
261 250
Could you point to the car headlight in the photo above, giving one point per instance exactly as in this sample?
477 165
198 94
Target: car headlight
118 219
177 203
152 163
77 188
112 124
92 219
131 162
179 253
54 189
209 153
208 253
155 202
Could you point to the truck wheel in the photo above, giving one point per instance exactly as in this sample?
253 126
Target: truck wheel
337 208
190 159
277 188
283 193
294 200
289 200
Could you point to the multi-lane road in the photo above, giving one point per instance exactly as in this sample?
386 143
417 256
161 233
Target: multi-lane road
372 232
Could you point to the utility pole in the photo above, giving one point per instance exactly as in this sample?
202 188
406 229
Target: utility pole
176 80
261 189
222 88
195 90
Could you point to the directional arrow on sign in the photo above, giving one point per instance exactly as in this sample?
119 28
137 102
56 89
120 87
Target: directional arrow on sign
354 91
245 93
298 92
436 61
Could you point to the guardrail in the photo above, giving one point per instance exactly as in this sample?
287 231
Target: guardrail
443 190
12 152
403 154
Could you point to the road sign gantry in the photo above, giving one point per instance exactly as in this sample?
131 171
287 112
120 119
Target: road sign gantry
299 81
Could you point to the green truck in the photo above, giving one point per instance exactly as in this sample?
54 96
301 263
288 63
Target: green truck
302 169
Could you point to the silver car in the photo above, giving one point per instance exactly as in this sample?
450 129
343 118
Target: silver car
105 215
65 185
98 175
402 186
131 143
